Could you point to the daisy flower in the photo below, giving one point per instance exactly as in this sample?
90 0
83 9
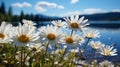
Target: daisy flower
107 50
4 32
73 40
58 23
95 44
81 40
106 64
36 47
75 23
29 23
94 63
24 35
91 33
51 34
81 63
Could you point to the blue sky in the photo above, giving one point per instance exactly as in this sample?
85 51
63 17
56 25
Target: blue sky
63 7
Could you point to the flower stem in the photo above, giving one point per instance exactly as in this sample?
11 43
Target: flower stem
27 55
94 54
46 49
105 58
21 56
83 49
86 43
14 55
61 58
53 57
71 33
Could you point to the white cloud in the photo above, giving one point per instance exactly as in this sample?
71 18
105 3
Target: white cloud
85 11
71 13
40 9
20 5
74 1
93 10
47 4
116 10
42 6
60 6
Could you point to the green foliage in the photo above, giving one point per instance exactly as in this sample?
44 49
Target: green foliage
10 11
17 56
2 8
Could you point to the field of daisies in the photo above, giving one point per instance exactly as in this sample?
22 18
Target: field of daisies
27 46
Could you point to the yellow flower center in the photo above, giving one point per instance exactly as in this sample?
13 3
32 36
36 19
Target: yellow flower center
59 25
81 39
51 36
95 46
2 36
107 52
74 25
69 40
23 38
90 35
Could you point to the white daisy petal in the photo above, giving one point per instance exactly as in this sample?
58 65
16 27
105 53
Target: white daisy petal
107 51
75 23
95 44
51 34
24 35
106 63
5 32
91 33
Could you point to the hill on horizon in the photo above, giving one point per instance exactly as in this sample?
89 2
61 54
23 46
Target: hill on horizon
92 17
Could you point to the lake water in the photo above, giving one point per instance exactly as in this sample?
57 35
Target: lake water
110 35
